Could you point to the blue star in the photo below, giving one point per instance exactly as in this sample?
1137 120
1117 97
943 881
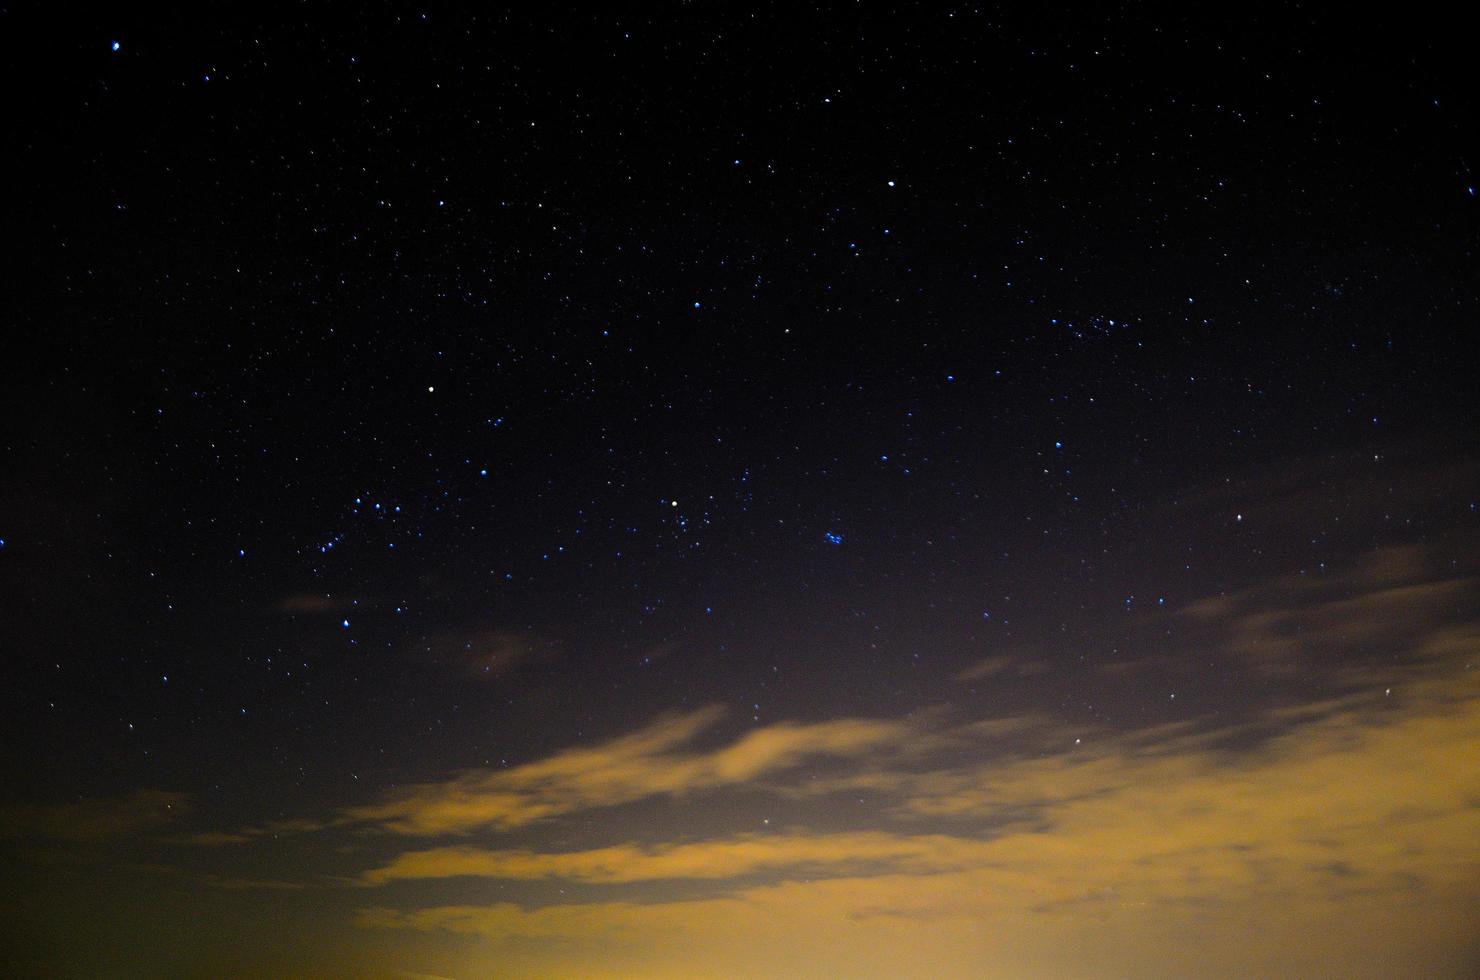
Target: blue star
832 537
115 45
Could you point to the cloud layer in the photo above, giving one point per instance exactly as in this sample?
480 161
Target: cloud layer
1311 832
1003 846
653 762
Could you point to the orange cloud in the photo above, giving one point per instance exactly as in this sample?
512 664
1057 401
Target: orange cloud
1333 836
833 854
309 602
488 653
648 763
214 838
1395 601
1017 666
1327 828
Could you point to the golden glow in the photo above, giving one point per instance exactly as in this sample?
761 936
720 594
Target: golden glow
1313 835
1357 811
646 764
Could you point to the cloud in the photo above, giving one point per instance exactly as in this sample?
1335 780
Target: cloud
1394 602
1335 817
488 653
1016 666
309 602
734 857
95 819
214 838
652 762
252 884
1352 813
1342 831
229 883
1417 478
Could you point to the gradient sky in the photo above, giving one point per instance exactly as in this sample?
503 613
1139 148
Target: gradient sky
719 490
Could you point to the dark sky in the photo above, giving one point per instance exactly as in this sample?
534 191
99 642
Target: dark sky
740 490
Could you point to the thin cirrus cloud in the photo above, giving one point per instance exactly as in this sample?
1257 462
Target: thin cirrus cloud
735 857
653 762
1003 665
309 602
1309 823
954 846
1277 837
1396 600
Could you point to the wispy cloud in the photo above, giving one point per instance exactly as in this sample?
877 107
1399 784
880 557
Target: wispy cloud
734 857
215 838
1003 665
1315 817
1396 602
231 883
310 602
653 762
486 652
1143 833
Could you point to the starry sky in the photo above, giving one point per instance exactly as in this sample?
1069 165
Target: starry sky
739 490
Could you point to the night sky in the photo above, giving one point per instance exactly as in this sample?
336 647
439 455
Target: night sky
739 490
